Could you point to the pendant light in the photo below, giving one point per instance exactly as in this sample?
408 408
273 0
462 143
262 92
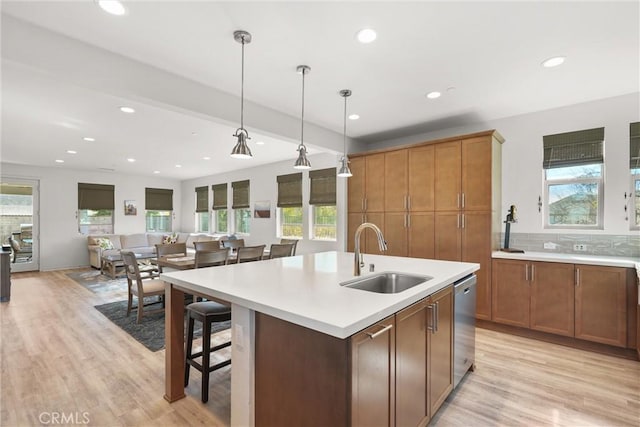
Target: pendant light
344 171
241 149
302 162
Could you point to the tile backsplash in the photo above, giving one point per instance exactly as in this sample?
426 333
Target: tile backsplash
593 244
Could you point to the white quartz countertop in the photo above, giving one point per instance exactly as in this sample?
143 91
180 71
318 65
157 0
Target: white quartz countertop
306 290
610 261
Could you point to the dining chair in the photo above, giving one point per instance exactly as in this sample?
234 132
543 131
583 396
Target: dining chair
208 245
170 249
141 285
250 253
281 250
233 244
211 258
293 242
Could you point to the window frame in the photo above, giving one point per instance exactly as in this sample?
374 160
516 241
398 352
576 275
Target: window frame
634 223
312 223
599 181
198 217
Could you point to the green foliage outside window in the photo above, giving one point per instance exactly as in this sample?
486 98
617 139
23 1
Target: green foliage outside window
324 222
291 222
222 221
242 220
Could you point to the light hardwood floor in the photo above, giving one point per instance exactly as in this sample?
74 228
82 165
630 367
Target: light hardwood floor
60 355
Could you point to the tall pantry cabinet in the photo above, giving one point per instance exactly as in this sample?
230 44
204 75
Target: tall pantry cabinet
439 199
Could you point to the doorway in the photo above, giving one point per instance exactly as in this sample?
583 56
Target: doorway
19 222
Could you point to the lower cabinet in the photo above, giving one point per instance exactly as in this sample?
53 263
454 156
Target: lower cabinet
582 301
397 372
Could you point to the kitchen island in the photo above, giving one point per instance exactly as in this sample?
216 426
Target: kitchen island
301 294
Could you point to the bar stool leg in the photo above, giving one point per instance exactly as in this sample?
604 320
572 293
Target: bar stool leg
206 354
187 351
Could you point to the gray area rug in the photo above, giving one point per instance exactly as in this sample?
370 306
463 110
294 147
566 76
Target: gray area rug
98 283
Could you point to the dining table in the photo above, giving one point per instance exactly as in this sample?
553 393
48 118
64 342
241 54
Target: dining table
187 261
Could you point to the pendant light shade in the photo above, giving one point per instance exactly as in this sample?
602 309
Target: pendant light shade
302 162
344 171
241 149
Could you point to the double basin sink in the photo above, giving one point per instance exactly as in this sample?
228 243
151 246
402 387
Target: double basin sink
386 282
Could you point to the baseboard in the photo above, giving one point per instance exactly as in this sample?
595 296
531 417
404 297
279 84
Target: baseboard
624 353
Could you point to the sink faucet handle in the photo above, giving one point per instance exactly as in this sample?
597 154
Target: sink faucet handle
372 268
361 260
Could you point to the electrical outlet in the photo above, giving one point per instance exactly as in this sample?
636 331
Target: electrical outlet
580 247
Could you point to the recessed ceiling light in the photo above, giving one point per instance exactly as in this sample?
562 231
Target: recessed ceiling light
259 142
553 62
59 161
128 110
366 35
354 117
206 158
131 160
433 95
156 171
87 138
72 152
178 166
113 7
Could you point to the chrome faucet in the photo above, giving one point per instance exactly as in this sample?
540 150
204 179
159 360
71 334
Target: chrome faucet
358 261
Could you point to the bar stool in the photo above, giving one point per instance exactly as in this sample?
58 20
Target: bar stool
206 312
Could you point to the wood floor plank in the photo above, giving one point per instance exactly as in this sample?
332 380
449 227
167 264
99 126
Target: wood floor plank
59 354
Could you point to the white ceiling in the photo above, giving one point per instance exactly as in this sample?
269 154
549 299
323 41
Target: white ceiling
490 52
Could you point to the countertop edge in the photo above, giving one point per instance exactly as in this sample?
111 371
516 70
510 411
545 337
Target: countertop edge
569 258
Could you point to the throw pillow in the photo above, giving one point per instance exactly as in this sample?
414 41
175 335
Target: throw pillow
104 243
169 239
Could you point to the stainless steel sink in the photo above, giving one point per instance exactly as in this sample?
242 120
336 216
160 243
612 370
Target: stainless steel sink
386 283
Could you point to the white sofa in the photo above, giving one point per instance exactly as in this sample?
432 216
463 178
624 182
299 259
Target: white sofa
139 243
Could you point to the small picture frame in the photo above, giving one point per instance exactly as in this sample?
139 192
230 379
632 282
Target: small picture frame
262 209
130 207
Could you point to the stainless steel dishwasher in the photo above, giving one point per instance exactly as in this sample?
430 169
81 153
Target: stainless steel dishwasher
464 332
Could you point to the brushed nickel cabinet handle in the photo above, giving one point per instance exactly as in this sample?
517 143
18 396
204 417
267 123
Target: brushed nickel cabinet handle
408 202
533 272
458 200
433 320
405 203
437 317
365 204
408 220
380 332
577 277
458 219
404 221
526 272
462 200
463 220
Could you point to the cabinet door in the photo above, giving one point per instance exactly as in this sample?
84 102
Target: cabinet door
370 242
476 174
601 304
356 185
510 292
395 233
421 235
476 247
395 181
448 237
373 375
411 366
447 176
353 221
421 179
552 297
374 183
440 345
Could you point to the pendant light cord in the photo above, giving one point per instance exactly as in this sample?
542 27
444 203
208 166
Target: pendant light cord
302 124
344 130
242 90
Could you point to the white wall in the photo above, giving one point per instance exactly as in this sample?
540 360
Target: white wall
522 176
61 246
264 187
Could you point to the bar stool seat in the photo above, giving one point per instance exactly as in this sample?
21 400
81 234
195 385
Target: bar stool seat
206 312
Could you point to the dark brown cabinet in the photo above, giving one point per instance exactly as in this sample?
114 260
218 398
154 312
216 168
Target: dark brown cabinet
373 375
582 301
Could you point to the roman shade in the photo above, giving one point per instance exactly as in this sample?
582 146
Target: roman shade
96 196
634 145
240 194
219 196
290 190
158 199
202 199
323 187
573 148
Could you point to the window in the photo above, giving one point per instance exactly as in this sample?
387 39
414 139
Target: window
573 164
240 206
202 209
220 208
159 207
289 216
323 204
634 166
95 208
